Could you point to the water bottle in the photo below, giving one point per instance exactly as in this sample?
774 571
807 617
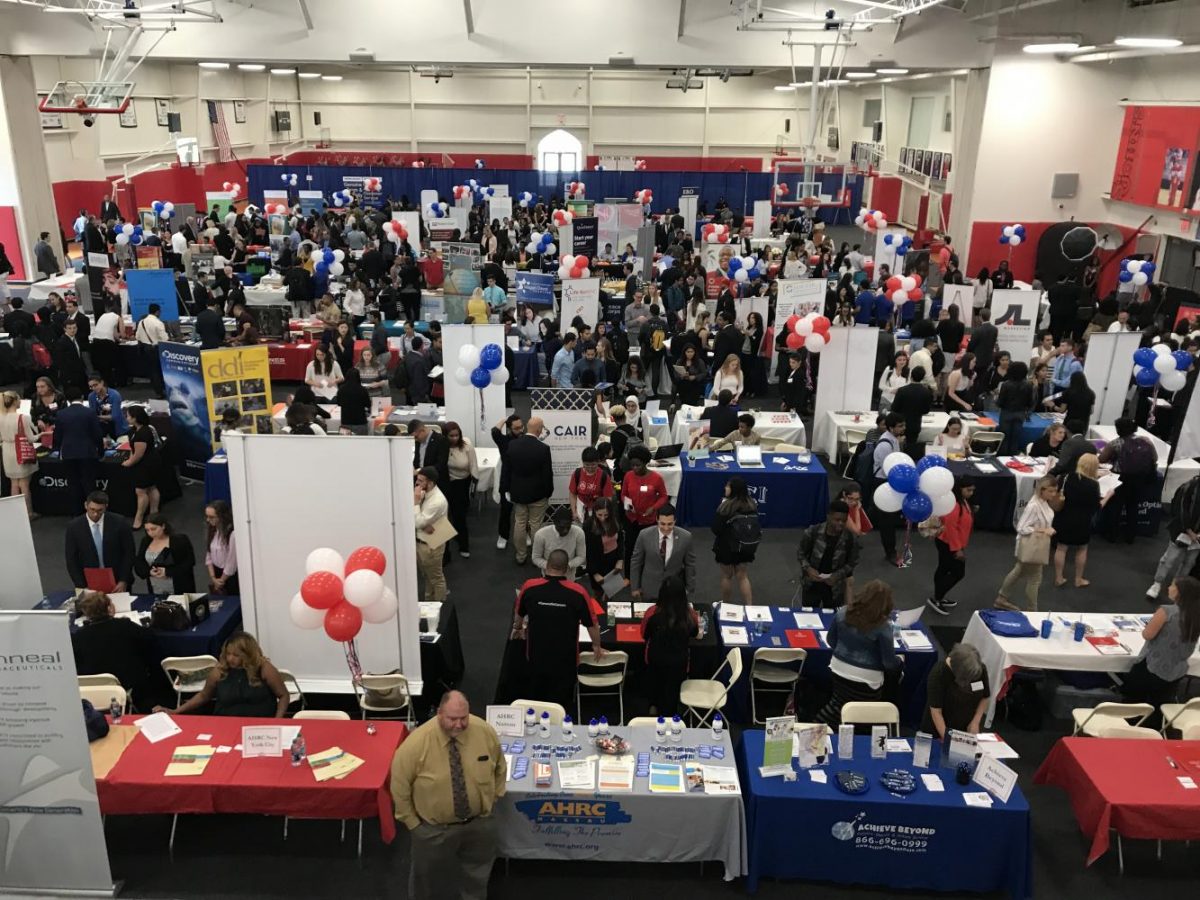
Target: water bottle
593 729
676 729
568 729
298 753
660 730
718 727
370 727
530 720
544 728
115 710
604 726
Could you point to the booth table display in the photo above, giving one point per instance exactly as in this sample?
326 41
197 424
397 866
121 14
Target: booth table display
829 432
925 841
289 361
781 427
790 494
53 494
995 491
633 826
205 638
525 369
1060 650
1127 786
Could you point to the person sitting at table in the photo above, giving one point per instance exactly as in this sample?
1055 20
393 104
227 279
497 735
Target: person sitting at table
301 418
48 401
165 558
722 418
1170 636
860 636
745 434
561 534
605 541
106 645
1050 442
588 483
952 437
1075 446
99 539
220 559
244 683
857 520
828 553
667 629
106 403
957 693
736 517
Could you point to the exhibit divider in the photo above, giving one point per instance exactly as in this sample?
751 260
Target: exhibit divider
21 586
846 377
1107 368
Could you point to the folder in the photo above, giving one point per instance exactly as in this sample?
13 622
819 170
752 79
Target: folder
442 532
802 637
100 579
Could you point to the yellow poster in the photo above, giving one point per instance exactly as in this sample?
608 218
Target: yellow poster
238 378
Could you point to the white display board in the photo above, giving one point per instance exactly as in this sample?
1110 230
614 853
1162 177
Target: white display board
743 306
475 415
412 224
567 415
798 297
1108 367
846 377
21 586
962 296
580 297
762 219
282 513
53 834
1015 315
687 209
500 208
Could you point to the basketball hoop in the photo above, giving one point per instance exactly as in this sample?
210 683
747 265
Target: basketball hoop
810 202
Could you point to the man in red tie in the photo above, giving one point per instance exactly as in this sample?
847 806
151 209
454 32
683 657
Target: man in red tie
661 552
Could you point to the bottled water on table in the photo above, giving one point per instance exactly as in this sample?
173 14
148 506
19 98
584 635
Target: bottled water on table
115 710
544 728
676 729
298 751
604 726
593 729
718 726
660 730
531 720
568 728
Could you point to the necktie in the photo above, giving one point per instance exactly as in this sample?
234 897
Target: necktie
458 784
662 548
98 540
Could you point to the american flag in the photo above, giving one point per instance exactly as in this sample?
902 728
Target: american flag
216 116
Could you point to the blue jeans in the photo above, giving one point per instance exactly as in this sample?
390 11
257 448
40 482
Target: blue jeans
1011 424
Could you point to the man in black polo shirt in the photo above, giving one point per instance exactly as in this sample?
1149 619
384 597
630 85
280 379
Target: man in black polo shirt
553 608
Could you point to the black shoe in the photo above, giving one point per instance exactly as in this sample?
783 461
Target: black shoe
938 606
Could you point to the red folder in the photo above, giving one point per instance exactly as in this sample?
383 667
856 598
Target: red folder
629 634
802 637
102 580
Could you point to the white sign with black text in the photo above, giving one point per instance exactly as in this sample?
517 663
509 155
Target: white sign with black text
798 297
580 298
1015 315
995 777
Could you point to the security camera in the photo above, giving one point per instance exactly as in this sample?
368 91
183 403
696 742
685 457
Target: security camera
88 121
832 23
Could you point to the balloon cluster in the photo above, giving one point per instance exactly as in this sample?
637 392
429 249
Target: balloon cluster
341 198
130 234
1136 270
481 367
395 231
871 220
643 197
919 491
164 210
330 262
781 190
479 191
810 331
277 209
480 164
418 164
541 242
639 165
372 184
743 268
563 217
438 210
902 243
232 188
1012 235
576 188
597 168
716 234
524 199
902 288
1158 365
290 178
341 595
573 266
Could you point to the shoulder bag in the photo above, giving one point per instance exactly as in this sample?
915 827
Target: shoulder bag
1033 548
22 445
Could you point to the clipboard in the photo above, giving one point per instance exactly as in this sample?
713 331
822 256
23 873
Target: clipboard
614 583
442 532
103 580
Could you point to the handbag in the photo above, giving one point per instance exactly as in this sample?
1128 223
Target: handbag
23 446
167 615
1033 548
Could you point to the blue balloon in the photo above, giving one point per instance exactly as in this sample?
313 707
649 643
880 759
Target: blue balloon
1144 357
1004 239
1183 360
1146 378
887 239
1125 277
1148 267
903 478
491 192
321 267
1020 229
481 377
491 357
917 506
902 250
734 264
931 462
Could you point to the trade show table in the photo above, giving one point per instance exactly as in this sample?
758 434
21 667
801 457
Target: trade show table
781 427
790 493
830 431
1130 787
638 825
925 841
53 494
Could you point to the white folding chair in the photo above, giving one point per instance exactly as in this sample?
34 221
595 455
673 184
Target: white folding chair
382 694
1090 721
597 674
295 694
105 679
640 721
710 694
790 448
1129 733
1180 716
187 674
557 712
780 669
854 437
872 712
986 443
1192 733
327 714
102 695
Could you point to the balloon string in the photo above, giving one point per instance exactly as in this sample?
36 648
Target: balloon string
352 662
482 410
1153 405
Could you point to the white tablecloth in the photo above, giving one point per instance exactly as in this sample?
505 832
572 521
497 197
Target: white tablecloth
776 426
829 432
39 291
1108 434
657 427
489 471
261 295
1059 651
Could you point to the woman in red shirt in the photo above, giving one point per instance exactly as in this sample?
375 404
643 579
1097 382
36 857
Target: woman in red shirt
951 542
642 493
588 483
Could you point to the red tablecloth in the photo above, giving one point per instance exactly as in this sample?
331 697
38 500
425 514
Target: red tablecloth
1127 785
136 785
289 361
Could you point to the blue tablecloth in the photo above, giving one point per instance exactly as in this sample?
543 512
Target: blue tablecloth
393 327
1034 427
789 495
917 666
812 831
525 374
207 637
216 480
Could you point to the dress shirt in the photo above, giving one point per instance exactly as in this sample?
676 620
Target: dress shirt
562 368
421 450
421 788
151 331
430 509
547 539
495 296
106 327
1062 370
222 554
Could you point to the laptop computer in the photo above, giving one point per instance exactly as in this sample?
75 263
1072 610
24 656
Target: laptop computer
668 451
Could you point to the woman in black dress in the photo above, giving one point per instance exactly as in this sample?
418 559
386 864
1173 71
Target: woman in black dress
1076 401
731 554
342 347
667 628
690 385
145 462
244 683
605 544
165 558
1073 523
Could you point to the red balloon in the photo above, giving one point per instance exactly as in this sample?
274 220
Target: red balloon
343 622
795 341
791 323
893 283
916 278
722 238
321 590
576 271
821 325
914 295
366 558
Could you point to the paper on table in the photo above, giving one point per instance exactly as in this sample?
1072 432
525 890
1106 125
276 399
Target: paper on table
122 602
780 460
621 609
734 635
613 584
996 747
977 798
720 780
732 612
933 782
576 775
666 778
809 620
907 618
897 745
204 737
333 763
157 727
759 614
616 773
640 609
190 760
819 776
914 639
224 748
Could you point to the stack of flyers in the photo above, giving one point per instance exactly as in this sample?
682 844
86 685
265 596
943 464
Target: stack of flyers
517 747
643 765
520 768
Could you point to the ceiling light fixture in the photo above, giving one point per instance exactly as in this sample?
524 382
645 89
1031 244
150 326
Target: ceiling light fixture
283 71
331 77
892 71
1052 47
251 67
213 65
834 81
310 75
800 84
860 74
1150 43
784 87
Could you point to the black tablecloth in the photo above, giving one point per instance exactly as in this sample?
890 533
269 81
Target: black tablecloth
442 664
54 496
995 493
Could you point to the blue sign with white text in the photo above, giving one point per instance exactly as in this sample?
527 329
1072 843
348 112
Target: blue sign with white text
535 289
148 286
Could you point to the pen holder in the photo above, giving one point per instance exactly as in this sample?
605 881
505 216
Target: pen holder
962 773
1047 627
1080 629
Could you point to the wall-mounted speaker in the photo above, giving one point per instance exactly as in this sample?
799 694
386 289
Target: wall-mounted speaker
787 126
316 118
877 131
1064 186
173 124
283 120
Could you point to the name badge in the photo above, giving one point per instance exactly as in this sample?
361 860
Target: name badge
977 685
645 488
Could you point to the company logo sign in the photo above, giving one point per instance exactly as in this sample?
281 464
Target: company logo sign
883 836
573 812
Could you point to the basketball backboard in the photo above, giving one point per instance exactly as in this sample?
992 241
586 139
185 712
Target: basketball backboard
87 97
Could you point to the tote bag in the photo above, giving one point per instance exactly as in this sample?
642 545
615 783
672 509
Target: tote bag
1033 548
23 446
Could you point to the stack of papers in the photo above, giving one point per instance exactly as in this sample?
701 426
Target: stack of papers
809 620
577 774
640 609
759 614
978 798
620 609
333 763
734 636
189 760
731 612
995 746
616 773
915 639
666 778
157 727
720 780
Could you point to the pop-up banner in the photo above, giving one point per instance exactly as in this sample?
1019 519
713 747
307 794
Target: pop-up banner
238 378
148 286
183 382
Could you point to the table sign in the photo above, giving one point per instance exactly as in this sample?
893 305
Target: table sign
959 747
995 777
261 740
507 720
879 735
777 746
845 742
809 745
922 747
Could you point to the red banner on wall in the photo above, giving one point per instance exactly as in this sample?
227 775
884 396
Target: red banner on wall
1158 157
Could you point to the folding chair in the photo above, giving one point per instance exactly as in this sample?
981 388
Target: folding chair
187 674
1090 721
596 674
556 710
384 694
778 668
872 712
709 694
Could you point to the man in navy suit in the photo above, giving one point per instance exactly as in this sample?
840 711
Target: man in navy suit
78 442
99 539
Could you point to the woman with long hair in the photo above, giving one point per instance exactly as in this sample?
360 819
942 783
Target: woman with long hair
1170 636
1073 523
667 628
1015 399
48 402
960 392
952 439
893 378
464 471
145 462
1035 525
14 424
729 378
634 380
323 374
373 373
857 520
751 361
1050 441
731 554
220 559
243 683
605 540
952 539
860 636
165 558
354 404
689 384
950 331
605 353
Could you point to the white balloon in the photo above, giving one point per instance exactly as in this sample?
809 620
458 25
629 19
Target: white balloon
1164 364
814 343
382 609
804 327
336 269
1140 278
1173 380
936 481
586 273
531 247
900 296
908 283
127 228
564 272
551 250
499 375
122 238
887 499
943 504
303 615
1134 265
462 376
1014 240
363 587
1161 349
168 206
896 459
740 275
339 255
388 227
325 559
468 356
1009 231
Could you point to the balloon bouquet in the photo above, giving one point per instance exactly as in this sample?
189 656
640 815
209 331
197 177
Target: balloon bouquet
330 263
480 368
1012 235
871 220
541 242
810 331
524 199
714 233
644 197
574 266
130 234
918 491
901 243
576 189
232 188
1138 271
289 178
340 595
395 231
1157 366
163 210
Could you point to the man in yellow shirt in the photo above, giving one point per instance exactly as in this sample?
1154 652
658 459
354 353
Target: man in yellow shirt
446 778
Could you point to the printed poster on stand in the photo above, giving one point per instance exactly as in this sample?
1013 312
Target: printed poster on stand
581 297
799 297
567 416
1015 315
238 378
187 399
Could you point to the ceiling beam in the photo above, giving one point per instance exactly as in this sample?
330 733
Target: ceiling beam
470 18
682 15
308 22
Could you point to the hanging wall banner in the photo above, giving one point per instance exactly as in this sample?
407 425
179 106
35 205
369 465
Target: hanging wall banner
580 297
535 289
367 189
50 817
148 286
1015 314
238 378
183 381
799 297
584 235
567 414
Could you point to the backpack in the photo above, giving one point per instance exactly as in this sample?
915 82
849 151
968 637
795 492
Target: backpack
745 531
1137 456
400 376
864 465
41 356
675 297
631 441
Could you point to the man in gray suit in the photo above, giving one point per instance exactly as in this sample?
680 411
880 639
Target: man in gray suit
660 552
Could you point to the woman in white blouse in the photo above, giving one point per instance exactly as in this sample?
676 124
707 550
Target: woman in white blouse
952 438
729 378
528 329
221 557
323 374
892 379
1036 519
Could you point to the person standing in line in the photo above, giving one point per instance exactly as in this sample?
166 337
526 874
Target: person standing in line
446 778
14 424
667 629
588 483
737 533
1170 636
952 540
1015 401
463 469
561 534
913 401
1073 523
529 472
1183 547
605 544
643 494
429 507
78 441
1034 530
431 449
220 558
502 435
828 554
165 558
151 332
68 358
99 539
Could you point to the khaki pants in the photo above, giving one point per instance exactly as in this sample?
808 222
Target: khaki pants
452 861
429 564
1031 573
527 518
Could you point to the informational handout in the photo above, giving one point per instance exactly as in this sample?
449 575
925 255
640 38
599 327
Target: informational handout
809 620
907 618
190 760
577 774
734 635
615 774
759 614
732 612
157 727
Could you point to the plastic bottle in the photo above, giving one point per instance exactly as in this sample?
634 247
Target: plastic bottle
604 726
370 727
593 729
530 720
115 710
568 729
298 751
718 727
544 727
676 729
660 730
